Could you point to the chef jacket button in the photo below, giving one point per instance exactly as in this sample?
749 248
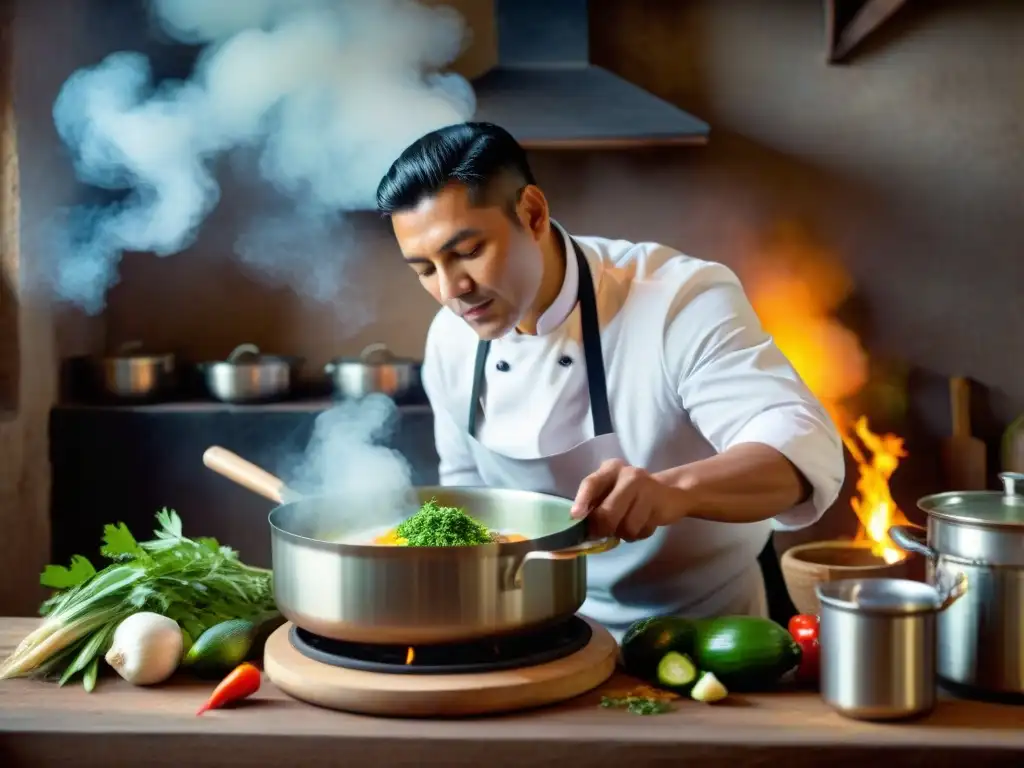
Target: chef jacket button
503 366
565 361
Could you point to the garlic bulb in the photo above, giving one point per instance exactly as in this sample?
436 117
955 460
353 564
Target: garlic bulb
146 648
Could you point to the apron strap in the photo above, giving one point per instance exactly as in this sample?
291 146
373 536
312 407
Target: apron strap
597 387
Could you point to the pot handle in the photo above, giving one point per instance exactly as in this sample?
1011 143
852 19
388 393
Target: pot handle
1013 483
906 538
375 353
243 349
245 473
589 547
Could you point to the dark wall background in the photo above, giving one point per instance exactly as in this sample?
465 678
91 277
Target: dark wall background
905 166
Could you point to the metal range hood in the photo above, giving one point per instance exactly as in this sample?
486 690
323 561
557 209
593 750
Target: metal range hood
545 91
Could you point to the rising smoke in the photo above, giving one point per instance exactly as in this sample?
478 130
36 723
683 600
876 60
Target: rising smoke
346 459
324 94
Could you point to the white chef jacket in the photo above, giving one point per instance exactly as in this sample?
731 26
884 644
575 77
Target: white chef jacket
690 373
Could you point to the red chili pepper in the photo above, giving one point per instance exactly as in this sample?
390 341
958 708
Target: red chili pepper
242 681
804 629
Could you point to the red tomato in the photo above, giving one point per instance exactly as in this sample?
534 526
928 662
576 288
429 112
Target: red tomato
804 627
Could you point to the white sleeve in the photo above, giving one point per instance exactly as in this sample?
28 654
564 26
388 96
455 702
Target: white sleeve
738 387
456 464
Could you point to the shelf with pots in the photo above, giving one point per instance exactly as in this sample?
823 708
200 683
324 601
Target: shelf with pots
159 381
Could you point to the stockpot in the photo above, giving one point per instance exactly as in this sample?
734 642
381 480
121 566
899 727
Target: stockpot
980 644
249 376
368 593
131 374
376 369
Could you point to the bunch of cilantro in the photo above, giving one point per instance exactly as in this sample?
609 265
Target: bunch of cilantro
196 582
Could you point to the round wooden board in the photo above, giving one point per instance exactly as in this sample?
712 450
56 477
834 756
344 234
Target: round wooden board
380 693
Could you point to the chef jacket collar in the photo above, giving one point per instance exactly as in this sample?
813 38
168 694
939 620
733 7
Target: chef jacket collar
565 302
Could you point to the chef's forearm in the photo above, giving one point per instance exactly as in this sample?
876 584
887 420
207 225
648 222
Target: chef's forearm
747 483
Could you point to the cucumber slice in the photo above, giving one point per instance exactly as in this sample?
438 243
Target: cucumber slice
676 670
708 689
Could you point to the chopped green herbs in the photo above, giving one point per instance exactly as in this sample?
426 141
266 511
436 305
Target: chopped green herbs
437 526
638 705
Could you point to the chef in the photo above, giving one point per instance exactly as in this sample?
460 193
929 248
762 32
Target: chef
629 377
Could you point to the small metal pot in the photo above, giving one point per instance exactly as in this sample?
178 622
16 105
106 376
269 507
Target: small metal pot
130 374
368 593
981 638
247 376
375 370
878 645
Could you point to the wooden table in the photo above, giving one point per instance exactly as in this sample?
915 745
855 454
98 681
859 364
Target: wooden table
118 724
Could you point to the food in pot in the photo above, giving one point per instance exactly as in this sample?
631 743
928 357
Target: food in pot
435 525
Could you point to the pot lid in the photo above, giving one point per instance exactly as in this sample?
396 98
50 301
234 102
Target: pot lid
889 596
1000 508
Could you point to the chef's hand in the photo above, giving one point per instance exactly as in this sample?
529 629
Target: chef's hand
625 501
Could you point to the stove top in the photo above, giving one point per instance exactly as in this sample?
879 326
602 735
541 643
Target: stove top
491 655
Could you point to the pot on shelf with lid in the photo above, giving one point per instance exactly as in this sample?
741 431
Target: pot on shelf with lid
981 534
375 370
248 376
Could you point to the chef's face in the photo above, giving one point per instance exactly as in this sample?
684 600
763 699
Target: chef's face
480 258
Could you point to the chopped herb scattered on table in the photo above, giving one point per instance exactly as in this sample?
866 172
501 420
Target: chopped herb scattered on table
642 700
438 526
638 705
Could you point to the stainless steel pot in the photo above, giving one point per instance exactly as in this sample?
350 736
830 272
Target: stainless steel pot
375 370
130 374
878 645
981 533
247 376
371 593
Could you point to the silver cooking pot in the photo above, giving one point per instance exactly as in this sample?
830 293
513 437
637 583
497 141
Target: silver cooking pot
980 533
375 370
131 374
370 593
248 376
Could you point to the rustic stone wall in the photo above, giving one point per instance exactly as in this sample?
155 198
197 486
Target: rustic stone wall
27 378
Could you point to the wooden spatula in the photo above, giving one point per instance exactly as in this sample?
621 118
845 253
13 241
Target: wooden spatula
963 455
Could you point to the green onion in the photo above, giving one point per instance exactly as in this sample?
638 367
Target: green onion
196 582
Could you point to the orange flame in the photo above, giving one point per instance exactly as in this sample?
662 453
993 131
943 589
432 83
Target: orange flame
795 289
410 655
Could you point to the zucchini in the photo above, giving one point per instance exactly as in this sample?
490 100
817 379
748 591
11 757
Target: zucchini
709 689
648 640
745 653
676 671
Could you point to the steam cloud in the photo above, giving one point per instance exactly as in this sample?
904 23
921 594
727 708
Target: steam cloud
325 93
345 458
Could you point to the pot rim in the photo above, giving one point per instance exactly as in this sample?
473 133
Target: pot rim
919 598
355 362
572 534
142 357
290 361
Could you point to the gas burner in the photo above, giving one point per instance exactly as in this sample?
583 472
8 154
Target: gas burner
491 655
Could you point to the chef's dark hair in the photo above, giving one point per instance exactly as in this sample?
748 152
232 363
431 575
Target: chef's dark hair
472 154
